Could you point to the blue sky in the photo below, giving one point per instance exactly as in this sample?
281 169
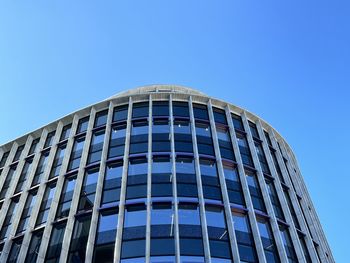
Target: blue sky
286 61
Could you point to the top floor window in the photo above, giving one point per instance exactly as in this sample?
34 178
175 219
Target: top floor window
253 130
200 111
237 122
18 153
140 110
219 116
120 113
101 118
33 147
4 159
83 125
180 109
160 108
49 139
65 132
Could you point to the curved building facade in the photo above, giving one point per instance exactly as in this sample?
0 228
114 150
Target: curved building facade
156 174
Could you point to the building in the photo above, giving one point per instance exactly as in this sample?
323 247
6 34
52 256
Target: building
156 174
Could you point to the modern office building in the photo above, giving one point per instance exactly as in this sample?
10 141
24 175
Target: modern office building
156 174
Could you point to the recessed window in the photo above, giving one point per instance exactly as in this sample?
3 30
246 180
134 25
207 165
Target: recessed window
200 111
140 109
219 116
161 136
18 153
7 182
255 192
101 118
137 178
75 156
106 235
96 147
66 197
87 194
77 249
117 141
49 139
225 144
268 241
277 166
7 224
237 122
14 252
53 251
160 108
262 158
65 132
23 177
244 150
233 184
120 113
83 125
139 137
161 176
57 163
46 204
34 246
186 177
33 147
253 130
277 208
180 109
183 136
4 159
288 245
27 210
210 179
112 183
40 168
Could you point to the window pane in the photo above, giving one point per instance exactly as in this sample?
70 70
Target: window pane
79 239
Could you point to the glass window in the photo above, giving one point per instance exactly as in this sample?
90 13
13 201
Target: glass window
77 249
255 192
244 238
183 136
101 118
15 248
7 182
267 136
200 111
40 168
96 146
4 159
277 166
161 176
204 141
244 150
225 143
160 108
162 214
233 184
66 197
87 194
53 251
49 139
18 153
215 216
112 183
65 132
140 110
189 259
186 177
33 147
304 247
27 210
274 200
210 179
180 109
139 137
105 236
57 163
74 161
23 177
135 216
117 141
83 125
219 116
34 247
253 130
237 122
268 241
262 158
137 178
291 209
6 226
120 113
288 245
189 214
161 136
46 204
132 249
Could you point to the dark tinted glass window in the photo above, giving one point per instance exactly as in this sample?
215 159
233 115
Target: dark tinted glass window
79 239
244 238
140 110
57 163
268 241
87 194
105 236
161 176
186 177
139 137
244 150
183 136
253 130
160 108
27 210
7 224
237 122
274 200
277 166
33 147
262 158
34 247
66 197
96 146
15 248
23 177
204 140
161 135
180 109
288 245
233 184
120 113
267 136
77 151
117 141
304 247
18 153
7 182
101 118
4 159
137 178
40 168
219 116
65 132
255 192
46 204
112 183
53 251
83 125
210 179
49 139
291 209
200 111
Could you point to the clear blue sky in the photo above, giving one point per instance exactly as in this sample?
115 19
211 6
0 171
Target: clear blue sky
287 61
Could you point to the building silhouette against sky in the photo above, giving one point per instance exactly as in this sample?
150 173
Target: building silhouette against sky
156 174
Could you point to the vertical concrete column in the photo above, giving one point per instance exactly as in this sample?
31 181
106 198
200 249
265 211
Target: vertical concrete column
59 185
118 243
228 214
242 176
280 194
173 162
149 181
77 189
294 198
199 186
99 187
263 187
